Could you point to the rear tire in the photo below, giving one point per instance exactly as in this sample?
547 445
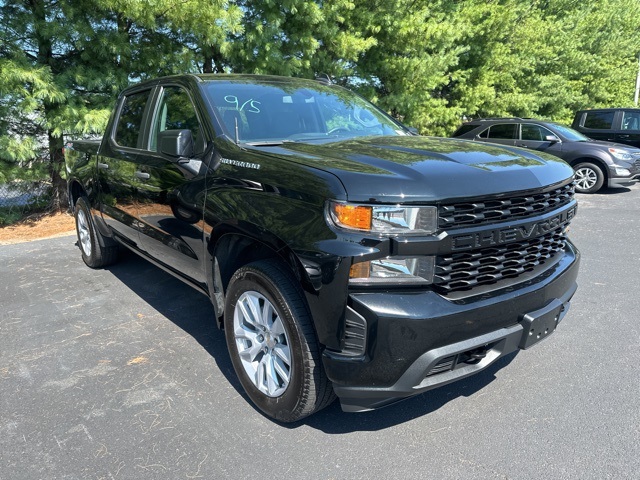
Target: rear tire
95 248
589 178
272 343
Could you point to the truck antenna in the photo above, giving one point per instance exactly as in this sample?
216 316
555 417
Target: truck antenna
237 137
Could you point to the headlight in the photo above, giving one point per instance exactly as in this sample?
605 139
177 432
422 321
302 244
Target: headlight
387 219
621 154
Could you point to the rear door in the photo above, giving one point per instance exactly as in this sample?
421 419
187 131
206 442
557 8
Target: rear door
118 164
629 132
599 125
502 133
171 191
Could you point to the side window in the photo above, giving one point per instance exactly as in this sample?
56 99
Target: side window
464 129
130 121
631 121
176 112
599 120
534 132
502 130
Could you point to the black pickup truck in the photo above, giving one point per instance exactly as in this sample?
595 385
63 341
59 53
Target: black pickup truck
343 254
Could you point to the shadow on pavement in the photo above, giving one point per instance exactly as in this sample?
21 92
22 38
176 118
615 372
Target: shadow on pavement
603 192
192 312
187 308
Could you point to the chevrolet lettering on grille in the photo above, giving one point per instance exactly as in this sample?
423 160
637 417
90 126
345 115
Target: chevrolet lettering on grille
512 234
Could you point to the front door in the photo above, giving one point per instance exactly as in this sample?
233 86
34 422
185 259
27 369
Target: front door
170 193
630 128
535 137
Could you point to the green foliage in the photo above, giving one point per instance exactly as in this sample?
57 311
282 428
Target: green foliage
429 63
546 58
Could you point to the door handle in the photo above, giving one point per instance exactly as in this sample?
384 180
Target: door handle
143 175
624 136
523 146
103 166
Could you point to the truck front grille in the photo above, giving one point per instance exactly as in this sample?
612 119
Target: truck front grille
498 210
464 271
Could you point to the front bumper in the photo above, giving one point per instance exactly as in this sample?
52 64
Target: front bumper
415 341
621 182
616 181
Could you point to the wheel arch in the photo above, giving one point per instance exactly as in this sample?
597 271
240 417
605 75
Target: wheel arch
75 190
232 249
596 161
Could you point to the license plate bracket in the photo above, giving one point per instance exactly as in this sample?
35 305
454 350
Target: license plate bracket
539 324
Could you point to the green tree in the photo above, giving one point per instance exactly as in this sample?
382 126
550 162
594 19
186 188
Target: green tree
408 69
63 63
297 38
430 63
545 58
53 80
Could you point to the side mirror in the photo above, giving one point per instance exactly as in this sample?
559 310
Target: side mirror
551 138
176 143
413 130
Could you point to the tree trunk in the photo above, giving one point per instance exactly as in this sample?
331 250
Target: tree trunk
59 199
59 196
213 60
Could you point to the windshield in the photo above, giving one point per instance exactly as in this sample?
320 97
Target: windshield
570 134
263 112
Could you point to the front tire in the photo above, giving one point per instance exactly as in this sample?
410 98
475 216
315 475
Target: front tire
589 178
95 248
272 343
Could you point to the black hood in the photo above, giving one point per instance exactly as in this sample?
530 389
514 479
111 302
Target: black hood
405 169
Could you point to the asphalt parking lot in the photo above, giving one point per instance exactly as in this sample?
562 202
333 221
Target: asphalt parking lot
121 373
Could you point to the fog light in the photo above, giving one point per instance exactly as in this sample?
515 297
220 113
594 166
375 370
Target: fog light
390 270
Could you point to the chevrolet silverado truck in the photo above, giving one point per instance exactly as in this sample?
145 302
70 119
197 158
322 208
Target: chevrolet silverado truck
343 254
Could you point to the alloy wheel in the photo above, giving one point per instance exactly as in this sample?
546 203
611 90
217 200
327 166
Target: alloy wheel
586 178
84 234
263 344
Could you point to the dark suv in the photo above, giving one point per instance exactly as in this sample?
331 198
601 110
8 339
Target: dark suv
595 163
620 125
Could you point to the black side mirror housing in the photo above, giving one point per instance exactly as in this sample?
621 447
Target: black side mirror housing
176 143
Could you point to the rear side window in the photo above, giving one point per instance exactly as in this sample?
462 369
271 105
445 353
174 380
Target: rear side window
598 120
464 129
130 121
500 130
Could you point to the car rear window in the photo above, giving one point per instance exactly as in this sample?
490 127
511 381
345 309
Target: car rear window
598 120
